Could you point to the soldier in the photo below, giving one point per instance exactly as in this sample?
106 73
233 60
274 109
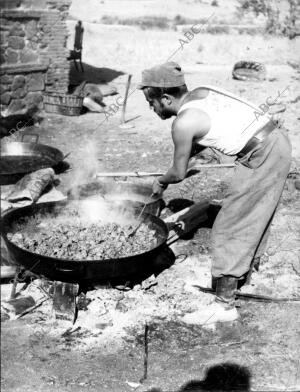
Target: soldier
214 118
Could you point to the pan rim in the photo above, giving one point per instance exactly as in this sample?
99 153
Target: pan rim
54 156
4 232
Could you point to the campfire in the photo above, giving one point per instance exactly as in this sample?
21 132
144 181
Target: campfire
95 240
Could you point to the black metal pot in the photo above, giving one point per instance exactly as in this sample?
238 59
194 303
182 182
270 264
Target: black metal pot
80 270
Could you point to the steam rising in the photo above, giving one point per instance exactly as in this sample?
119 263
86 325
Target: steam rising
87 166
108 201
95 209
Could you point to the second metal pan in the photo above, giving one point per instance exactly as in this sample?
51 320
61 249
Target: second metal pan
23 157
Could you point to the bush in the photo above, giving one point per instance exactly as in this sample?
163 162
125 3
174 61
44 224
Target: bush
217 29
182 20
157 22
147 22
107 19
269 10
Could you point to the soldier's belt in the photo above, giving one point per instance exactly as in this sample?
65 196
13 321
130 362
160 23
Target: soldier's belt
261 134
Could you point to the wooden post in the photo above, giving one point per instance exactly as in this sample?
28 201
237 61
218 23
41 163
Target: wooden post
123 121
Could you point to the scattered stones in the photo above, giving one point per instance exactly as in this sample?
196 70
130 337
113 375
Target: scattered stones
43 45
7 4
20 85
103 325
17 31
148 283
4 88
19 82
290 185
6 79
19 92
16 42
5 26
121 307
32 45
16 105
36 82
3 38
12 56
2 58
34 99
28 56
5 98
25 44
44 27
31 29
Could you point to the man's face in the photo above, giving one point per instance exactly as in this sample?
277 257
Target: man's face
159 106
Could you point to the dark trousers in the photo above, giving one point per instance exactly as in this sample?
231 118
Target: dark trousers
241 229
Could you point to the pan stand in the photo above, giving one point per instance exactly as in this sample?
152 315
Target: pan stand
64 301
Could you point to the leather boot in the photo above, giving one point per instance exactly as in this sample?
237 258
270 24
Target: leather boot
240 282
214 283
225 289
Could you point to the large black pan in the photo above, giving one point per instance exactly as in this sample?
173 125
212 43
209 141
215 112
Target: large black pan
22 157
83 270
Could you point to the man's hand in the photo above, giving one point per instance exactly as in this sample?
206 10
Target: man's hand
158 187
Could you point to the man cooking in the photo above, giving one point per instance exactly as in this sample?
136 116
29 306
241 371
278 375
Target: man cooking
214 118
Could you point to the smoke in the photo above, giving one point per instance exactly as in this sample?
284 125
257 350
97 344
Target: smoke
106 200
89 164
94 200
88 211
86 166
95 209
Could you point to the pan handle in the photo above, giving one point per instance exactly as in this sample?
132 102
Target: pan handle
34 135
66 155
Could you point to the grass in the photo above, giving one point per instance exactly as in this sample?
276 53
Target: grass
168 24
164 23
145 23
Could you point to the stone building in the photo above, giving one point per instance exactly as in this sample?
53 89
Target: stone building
33 52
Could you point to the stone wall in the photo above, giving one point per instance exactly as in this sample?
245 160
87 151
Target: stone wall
33 52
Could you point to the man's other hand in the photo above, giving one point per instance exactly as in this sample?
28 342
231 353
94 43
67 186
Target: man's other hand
158 187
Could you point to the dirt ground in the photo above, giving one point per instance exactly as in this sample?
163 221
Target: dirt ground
262 348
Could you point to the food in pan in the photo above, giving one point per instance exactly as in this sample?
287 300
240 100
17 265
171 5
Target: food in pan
75 238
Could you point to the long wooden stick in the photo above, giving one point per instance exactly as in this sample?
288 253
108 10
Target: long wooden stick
145 354
156 174
255 297
125 99
15 282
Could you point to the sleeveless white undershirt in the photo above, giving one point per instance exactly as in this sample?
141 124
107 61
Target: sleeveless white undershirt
233 120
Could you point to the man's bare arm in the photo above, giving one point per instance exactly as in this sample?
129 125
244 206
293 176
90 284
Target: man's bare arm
188 126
